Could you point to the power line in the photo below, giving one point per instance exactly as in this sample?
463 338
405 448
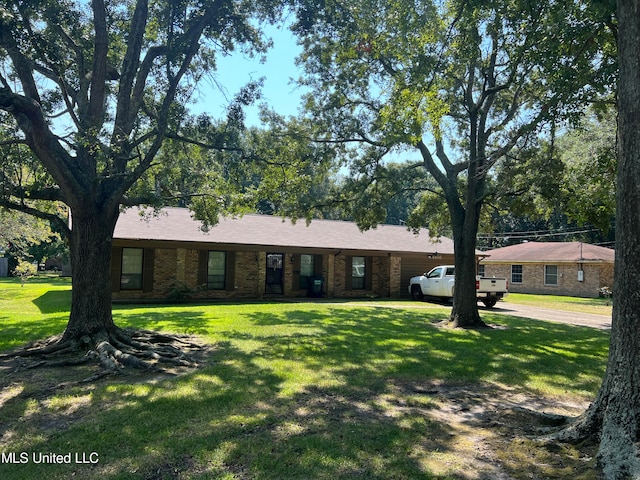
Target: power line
606 244
536 234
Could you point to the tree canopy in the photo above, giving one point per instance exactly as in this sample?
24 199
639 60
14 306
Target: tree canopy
558 188
461 84
94 94
19 232
589 155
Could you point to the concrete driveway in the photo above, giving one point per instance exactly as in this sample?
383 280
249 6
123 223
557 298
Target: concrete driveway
573 318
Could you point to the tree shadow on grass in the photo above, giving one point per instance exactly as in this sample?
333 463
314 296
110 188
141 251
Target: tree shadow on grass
54 301
364 410
388 341
233 418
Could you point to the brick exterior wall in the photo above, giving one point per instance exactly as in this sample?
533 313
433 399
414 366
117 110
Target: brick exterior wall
246 278
164 269
339 275
395 276
177 269
595 277
606 275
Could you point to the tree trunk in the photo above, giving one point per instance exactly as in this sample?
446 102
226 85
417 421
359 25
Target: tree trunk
90 244
464 223
91 335
465 306
614 416
619 399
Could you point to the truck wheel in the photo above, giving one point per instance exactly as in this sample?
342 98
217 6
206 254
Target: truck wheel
416 293
490 302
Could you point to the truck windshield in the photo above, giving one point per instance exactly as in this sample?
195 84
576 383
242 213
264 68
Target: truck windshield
436 272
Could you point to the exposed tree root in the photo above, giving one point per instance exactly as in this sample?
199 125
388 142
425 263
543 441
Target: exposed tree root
112 353
574 431
455 324
619 453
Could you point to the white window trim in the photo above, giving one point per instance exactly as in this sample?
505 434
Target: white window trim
521 274
557 275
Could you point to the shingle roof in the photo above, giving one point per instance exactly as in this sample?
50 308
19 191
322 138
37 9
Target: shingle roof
538 252
177 224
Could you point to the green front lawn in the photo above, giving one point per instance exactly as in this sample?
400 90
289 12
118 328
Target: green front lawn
598 306
292 390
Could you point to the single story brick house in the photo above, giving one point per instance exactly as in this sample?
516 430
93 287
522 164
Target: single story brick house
257 256
555 268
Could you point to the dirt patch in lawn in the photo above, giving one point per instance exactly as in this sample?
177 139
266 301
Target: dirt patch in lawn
499 432
491 431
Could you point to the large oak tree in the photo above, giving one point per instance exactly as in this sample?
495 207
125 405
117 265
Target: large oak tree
93 89
463 84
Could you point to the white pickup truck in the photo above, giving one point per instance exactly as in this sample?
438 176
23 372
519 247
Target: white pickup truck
438 282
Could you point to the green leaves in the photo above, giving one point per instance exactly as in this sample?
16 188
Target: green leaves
567 182
467 84
475 80
107 83
589 154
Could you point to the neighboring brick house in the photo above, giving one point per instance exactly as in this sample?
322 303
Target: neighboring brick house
555 268
261 255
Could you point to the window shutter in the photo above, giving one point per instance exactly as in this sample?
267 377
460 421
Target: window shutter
317 267
368 273
230 272
348 265
203 265
295 280
116 268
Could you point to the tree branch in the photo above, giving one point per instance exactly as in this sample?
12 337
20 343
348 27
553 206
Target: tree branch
430 164
51 194
21 63
99 69
60 224
40 139
130 98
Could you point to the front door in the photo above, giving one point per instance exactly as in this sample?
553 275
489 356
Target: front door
275 264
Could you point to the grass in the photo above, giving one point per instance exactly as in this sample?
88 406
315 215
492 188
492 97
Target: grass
598 306
37 310
293 391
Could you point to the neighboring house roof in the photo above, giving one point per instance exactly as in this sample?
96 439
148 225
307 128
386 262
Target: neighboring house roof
177 224
543 252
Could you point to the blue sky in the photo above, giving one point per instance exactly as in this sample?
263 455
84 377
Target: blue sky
237 70
279 92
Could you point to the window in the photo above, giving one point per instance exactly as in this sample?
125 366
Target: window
307 263
551 275
481 270
216 270
435 273
516 273
131 275
358 271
